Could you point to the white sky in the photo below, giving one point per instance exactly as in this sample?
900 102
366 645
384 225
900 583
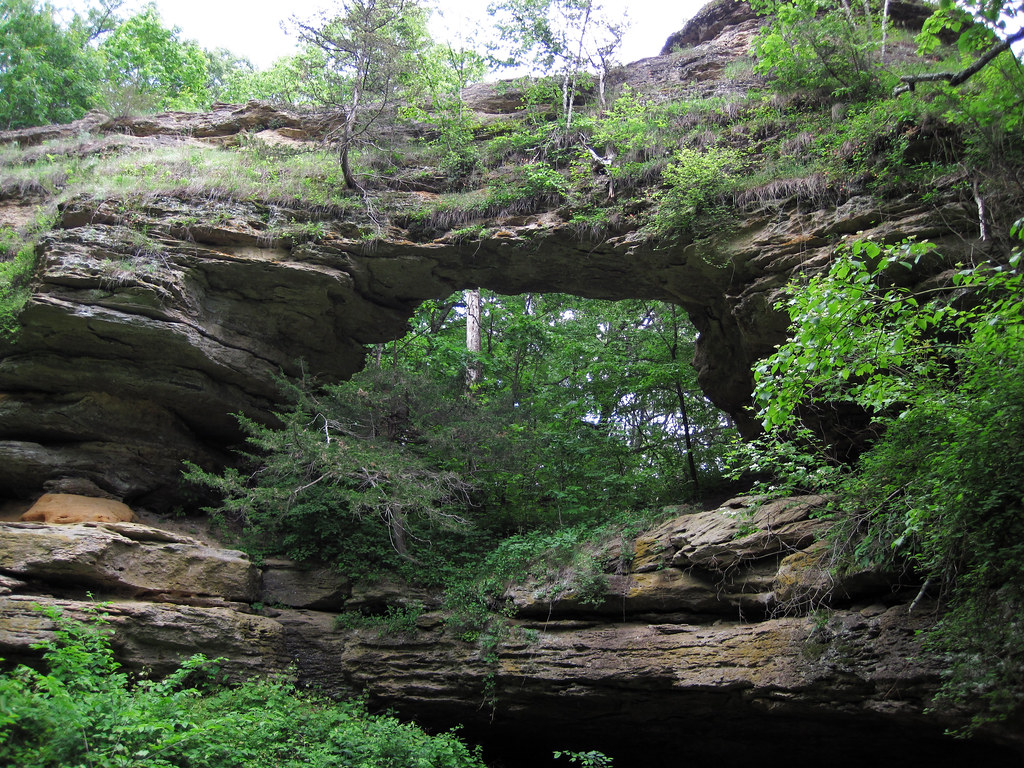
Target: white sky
252 28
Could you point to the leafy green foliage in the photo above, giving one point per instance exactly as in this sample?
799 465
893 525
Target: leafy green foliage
281 83
631 129
17 266
47 72
443 73
17 263
811 44
526 188
342 481
53 73
84 711
693 204
823 362
585 411
396 620
589 759
146 67
939 377
223 66
974 23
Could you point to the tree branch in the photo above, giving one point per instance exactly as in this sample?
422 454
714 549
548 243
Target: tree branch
956 78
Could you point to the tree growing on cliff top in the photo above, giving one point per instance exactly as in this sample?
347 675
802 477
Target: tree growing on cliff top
567 38
147 66
359 60
47 72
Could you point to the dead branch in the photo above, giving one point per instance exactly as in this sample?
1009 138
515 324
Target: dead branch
957 78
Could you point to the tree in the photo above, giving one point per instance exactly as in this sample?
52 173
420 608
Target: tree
147 66
223 69
47 72
282 83
473 339
569 37
442 73
347 478
360 58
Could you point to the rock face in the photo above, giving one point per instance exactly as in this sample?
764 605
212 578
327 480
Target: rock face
722 632
703 644
124 559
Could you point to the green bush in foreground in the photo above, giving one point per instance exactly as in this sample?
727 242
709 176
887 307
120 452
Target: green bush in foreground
940 487
85 712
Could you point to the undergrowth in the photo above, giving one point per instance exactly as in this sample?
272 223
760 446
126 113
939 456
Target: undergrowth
83 710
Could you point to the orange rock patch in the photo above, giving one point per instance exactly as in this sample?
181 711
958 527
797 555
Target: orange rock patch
66 508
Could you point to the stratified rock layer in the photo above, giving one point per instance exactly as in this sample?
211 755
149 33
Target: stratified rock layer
123 558
706 646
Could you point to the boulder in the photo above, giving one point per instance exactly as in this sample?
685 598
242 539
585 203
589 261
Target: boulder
68 508
91 557
294 585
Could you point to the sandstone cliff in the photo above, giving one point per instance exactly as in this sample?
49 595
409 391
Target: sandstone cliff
153 318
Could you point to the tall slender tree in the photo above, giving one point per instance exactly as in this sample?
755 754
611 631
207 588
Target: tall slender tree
360 59
568 37
473 339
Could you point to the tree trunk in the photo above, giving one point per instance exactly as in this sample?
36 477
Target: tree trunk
473 341
346 169
885 27
350 125
570 97
686 435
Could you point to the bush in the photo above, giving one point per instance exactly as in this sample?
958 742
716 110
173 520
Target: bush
14 288
693 204
818 44
528 187
940 486
83 711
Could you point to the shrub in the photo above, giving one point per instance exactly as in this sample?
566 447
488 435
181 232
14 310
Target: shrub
696 183
14 287
83 711
939 486
818 44
526 188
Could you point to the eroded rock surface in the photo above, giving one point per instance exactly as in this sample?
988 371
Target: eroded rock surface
67 508
124 559
681 652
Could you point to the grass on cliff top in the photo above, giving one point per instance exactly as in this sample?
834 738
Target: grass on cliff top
105 169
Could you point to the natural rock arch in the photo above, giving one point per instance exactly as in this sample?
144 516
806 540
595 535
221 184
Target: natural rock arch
117 378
